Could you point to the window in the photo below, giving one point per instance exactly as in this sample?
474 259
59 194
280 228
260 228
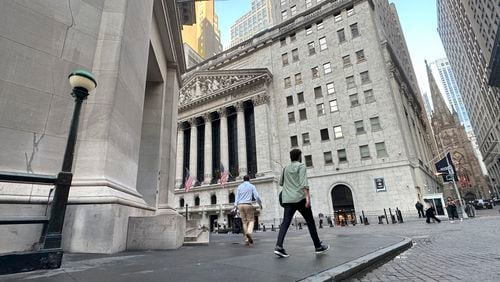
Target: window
364 151
350 11
311 48
319 25
350 82
305 139
346 60
302 114
300 97
342 155
338 17
333 106
308 3
282 41
341 35
308 30
309 160
288 82
315 72
360 56
298 78
375 124
322 44
293 37
324 134
330 88
284 59
284 15
293 10
231 197
294 141
381 152
197 200
213 199
181 202
354 30
354 100
360 128
337 132
317 92
328 158
291 117
365 78
321 109
295 55
327 68
289 101
369 97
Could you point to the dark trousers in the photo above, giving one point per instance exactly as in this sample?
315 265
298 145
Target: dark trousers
421 213
290 209
430 214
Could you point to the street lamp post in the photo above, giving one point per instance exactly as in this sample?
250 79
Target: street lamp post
451 173
82 82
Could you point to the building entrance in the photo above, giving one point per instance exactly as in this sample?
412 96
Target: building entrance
343 206
213 222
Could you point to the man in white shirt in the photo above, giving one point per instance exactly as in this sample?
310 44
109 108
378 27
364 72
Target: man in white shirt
245 193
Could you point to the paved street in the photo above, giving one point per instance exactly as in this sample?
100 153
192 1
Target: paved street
467 251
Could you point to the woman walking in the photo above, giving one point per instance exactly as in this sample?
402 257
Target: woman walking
430 212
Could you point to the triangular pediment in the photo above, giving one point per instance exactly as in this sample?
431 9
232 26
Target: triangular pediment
206 85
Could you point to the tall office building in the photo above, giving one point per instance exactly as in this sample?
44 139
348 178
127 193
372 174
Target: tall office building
337 82
203 36
467 30
259 18
445 80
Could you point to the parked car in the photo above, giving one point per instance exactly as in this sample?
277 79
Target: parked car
483 204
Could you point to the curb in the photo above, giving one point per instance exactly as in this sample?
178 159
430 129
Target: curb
353 267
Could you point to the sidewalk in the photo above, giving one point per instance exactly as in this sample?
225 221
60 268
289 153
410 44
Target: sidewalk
227 259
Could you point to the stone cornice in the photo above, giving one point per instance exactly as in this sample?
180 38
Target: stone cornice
204 86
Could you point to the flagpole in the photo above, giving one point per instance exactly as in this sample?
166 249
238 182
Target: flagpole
451 172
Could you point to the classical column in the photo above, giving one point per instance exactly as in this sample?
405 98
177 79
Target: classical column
180 154
242 141
193 149
208 148
262 133
224 146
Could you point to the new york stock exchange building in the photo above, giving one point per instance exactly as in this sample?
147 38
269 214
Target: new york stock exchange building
335 81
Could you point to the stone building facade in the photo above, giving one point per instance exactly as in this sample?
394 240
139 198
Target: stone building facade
125 154
451 137
334 80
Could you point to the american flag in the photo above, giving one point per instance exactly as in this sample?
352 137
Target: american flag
188 182
224 176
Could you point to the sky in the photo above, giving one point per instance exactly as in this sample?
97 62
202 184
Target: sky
418 19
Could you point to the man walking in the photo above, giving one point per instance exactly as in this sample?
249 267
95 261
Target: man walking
244 195
420 209
295 197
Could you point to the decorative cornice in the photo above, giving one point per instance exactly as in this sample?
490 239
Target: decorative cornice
260 100
208 85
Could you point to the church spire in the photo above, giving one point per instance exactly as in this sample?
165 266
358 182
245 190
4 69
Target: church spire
440 108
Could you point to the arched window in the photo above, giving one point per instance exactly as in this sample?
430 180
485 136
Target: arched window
181 202
213 199
231 197
197 201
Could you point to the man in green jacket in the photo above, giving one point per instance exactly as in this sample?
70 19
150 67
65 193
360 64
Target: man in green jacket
295 197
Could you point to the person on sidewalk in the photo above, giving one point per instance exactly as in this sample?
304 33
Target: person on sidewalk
451 208
430 212
420 209
295 197
245 194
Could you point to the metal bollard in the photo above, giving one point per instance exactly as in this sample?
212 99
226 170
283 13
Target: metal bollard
365 220
300 225
380 219
320 223
386 218
272 227
393 218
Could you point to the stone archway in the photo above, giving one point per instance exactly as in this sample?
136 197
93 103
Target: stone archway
343 205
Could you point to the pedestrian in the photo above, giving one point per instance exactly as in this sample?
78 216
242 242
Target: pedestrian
420 209
244 194
295 197
451 208
430 212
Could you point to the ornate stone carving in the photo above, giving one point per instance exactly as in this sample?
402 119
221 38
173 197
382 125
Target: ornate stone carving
239 107
206 117
222 112
260 100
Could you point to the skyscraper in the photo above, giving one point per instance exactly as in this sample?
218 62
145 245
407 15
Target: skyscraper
258 19
467 29
204 35
448 87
